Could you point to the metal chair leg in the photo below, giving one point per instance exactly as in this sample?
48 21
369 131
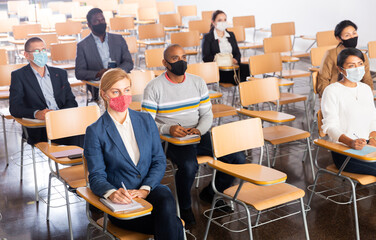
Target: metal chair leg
310 157
275 147
198 176
22 153
5 141
307 117
304 219
49 197
314 187
210 216
35 175
355 210
68 212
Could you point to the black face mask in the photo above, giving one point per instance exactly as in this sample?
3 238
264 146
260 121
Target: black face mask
99 28
350 43
178 68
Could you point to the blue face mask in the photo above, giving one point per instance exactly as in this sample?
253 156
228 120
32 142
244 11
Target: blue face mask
40 58
355 74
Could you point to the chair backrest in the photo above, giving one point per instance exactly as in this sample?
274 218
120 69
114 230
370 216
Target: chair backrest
326 38
239 33
239 133
277 44
207 71
139 79
372 49
265 63
259 91
314 81
128 9
318 53
6 25
245 21
201 26
186 39
85 32
3 56
150 31
170 20
165 6
71 121
153 57
145 3
187 11
121 23
286 28
48 38
5 72
68 28
206 15
132 44
147 14
23 30
63 51
319 123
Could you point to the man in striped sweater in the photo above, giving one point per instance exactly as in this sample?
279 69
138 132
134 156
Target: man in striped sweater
180 104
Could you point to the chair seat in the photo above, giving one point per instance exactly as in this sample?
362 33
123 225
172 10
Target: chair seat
295 73
250 45
123 234
143 22
264 197
215 94
136 106
191 52
74 176
283 134
284 82
360 178
204 159
300 54
314 69
222 110
122 33
289 59
286 98
4 94
172 29
269 116
151 43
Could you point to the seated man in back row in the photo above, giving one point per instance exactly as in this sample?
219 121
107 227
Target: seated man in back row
36 89
180 105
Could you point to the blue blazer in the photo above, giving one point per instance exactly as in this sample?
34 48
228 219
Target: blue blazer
108 161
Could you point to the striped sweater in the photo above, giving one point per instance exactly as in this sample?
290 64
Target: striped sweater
186 103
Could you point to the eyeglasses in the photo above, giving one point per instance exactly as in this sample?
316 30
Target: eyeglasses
38 51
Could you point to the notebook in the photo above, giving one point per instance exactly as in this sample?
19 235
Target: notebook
115 207
66 153
33 120
366 150
187 137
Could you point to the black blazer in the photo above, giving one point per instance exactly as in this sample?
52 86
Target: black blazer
210 46
26 95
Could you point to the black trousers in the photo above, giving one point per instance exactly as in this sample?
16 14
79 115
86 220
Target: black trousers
163 222
354 165
228 76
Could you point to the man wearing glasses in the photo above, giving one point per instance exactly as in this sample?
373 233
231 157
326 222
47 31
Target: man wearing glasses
37 89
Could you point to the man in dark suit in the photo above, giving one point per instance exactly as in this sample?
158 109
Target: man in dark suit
37 89
98 49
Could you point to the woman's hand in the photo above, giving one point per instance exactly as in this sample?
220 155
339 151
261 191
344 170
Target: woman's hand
121 196
358 144
372 142
142 193
192 131
234 61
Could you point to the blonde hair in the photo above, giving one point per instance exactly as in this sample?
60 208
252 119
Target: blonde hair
111 77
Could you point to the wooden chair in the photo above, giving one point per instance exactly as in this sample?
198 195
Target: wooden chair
165 7
20 34
68 31
153 60
140 79
332 193
372 49
63 51
239 32
282 45
317 54
6 26
190 41
187 11
201 26
48 38
132 47
171 22
120 25
326 38
260 187
127 9
151 35
207 15
246 22
267 90
147 15
60 124
3 56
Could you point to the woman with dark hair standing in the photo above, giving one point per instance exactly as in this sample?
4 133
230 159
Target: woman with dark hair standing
219 40
349 113
347 36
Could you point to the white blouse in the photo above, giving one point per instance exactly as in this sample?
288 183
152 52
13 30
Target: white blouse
349 111
224 44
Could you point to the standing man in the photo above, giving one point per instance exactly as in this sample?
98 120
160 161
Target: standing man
36 89
98 49
180 105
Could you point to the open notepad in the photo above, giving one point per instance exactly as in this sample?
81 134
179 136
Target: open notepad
183 138
34 120
115 207
366 150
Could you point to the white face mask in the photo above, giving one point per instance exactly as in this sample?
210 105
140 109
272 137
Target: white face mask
221 26
355 74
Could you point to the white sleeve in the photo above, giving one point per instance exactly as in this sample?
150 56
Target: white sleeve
330 112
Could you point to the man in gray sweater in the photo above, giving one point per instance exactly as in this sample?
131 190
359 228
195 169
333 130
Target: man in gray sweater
180 104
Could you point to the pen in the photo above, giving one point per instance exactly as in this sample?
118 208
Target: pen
356 136
122 184
179 124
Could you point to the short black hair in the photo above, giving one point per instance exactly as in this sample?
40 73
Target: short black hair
91 13
345 53
342 25
214 16
30 41
168 49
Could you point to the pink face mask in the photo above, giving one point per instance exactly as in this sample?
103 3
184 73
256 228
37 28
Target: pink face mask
121 103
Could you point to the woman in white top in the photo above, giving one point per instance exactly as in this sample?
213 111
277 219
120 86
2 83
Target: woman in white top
349 113
219 40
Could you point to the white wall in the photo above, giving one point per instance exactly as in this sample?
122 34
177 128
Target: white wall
309 16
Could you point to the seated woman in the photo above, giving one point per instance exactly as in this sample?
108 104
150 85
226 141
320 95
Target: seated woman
349 113
347 36
219 40
124 146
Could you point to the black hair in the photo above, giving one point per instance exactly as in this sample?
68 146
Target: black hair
168 49
342 25
345 53
91 13
214 16
30 41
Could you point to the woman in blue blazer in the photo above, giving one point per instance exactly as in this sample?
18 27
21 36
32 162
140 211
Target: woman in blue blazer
123 146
